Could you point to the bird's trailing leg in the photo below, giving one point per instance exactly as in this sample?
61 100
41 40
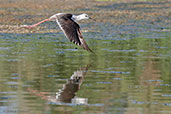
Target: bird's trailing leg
34 25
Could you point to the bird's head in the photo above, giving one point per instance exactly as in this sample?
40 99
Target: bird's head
80 17
84 16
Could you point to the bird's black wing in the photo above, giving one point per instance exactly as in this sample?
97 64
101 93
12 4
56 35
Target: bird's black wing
72 31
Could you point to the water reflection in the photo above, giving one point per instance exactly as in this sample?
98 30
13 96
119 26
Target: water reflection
68 93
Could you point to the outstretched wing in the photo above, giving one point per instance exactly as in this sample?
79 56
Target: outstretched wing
72 31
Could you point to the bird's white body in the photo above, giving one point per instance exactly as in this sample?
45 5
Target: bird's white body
74 17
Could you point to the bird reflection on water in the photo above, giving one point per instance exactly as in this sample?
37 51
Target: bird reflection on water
67 93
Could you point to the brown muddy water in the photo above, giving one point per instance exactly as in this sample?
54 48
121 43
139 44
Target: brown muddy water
43 73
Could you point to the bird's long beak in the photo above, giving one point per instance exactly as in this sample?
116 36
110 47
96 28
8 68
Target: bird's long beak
92 19
34 25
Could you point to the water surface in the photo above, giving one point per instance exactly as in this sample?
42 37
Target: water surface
43 73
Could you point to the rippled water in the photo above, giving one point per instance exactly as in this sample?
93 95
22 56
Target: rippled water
43 73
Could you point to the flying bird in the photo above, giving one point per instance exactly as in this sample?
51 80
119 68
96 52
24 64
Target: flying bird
68 24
